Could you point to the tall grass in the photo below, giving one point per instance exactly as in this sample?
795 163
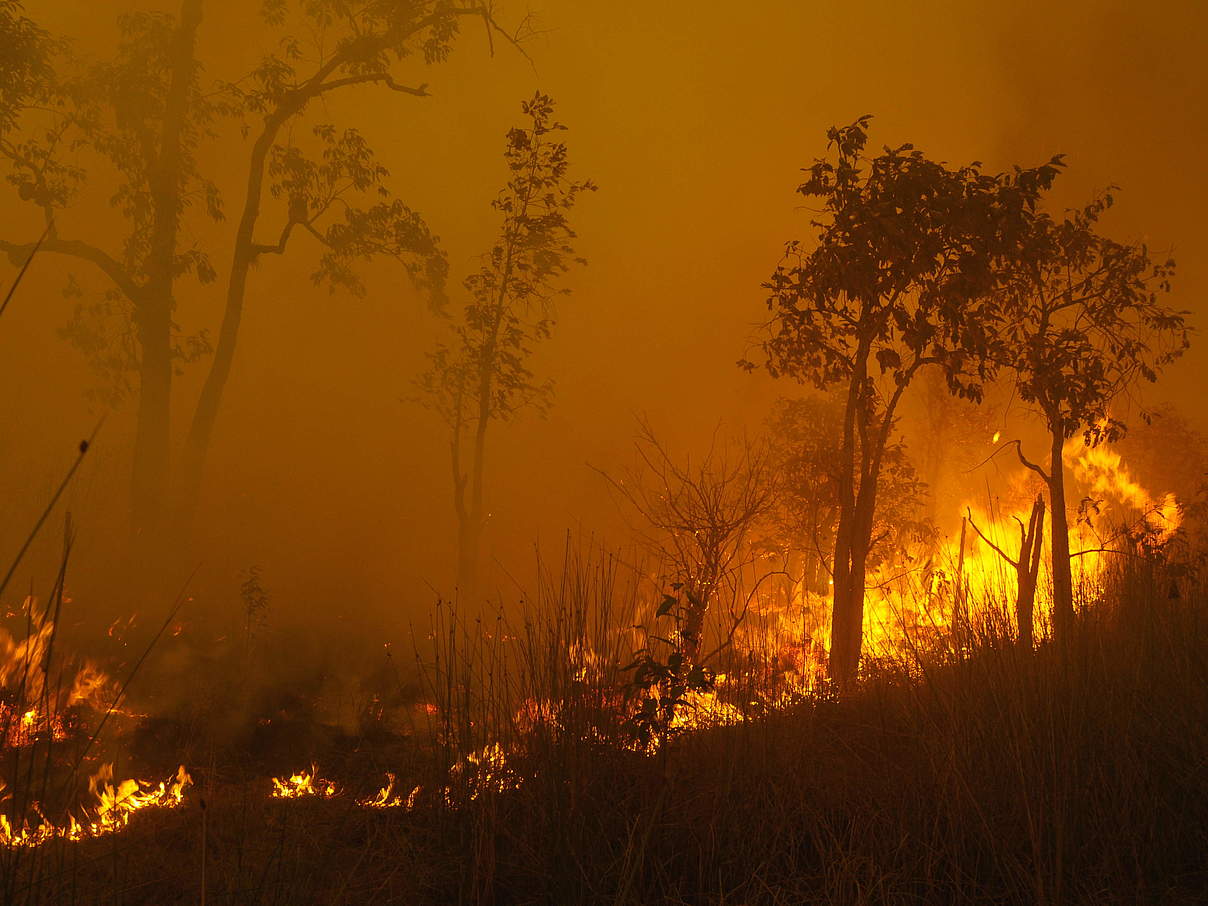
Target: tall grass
970 772
984 773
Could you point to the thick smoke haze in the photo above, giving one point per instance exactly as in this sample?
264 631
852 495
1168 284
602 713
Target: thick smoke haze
695 120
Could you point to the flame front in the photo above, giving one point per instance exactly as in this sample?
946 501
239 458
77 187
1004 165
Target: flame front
114 806
303 783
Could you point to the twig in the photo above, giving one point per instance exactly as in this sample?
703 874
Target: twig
84 447
24 267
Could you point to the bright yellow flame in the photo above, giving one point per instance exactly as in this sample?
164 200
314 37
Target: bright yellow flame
114 806
303 783
387 798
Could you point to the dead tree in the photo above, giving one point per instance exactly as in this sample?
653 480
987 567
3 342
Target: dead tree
1027 566
702 517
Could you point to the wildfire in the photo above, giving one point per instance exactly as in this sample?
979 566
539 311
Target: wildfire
482 771
387 798
303 783
111 813
914 599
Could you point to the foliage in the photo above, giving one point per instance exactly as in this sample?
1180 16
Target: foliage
805 465
314 187
25 65
902 268
484 375
661 685
1082 321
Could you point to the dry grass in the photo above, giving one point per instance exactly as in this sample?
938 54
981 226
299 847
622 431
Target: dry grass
1072 775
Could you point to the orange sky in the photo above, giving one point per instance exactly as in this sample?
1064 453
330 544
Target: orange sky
694 118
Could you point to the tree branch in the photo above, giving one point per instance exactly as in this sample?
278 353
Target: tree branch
997 549
1019 452
78 249
383 78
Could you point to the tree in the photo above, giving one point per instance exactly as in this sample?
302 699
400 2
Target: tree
485 375
351 45
804 510
141 114
704 517
899 279
1082 322
144 114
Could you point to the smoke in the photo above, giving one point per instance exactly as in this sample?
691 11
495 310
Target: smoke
695 120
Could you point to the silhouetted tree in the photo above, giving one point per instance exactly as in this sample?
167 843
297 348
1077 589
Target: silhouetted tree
143 114
804 466
1082 322
899 279
348 45
484 375
140 114
704 516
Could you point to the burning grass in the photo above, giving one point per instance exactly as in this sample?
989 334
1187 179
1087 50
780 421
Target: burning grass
572 755
985 772
109 814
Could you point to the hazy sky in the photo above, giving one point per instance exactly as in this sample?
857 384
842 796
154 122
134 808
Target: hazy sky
694 119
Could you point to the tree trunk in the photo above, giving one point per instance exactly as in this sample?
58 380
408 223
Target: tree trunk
201 430
150 469
469 543
693 629
861 543
154 307
470 517
1063 583
1027 570
842 661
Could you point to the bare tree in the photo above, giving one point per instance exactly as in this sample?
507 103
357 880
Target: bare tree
700 519
1027 568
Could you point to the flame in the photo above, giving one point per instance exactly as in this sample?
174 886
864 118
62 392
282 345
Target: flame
387 798
482 771
700 709
111 813
303 783
31 703
1103 472
911 600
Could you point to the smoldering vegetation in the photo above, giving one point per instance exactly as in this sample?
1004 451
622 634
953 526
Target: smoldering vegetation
908 607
